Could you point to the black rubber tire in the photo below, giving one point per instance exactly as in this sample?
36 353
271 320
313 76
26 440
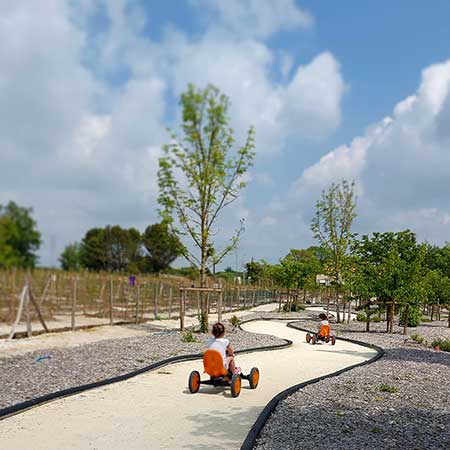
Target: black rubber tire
236 383
308 338
327 339
333 340
313 340
253 378
194 381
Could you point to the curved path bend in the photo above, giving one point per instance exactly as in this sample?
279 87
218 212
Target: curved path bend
156 411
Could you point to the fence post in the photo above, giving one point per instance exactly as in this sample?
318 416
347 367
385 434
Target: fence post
110 305
137 302
219 307
182 297
170 302
27 313
74 303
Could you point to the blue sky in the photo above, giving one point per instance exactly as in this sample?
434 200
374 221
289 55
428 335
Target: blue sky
356 90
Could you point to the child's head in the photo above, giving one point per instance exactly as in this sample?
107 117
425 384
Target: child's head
322 316
218 330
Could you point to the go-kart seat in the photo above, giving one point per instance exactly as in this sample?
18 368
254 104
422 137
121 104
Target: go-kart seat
213 364
324 331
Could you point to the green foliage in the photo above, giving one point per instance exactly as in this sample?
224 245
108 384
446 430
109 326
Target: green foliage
111 249
19 238
292 307
332 223
188 336
443 344
414 316
70 258
361 317
388 388
162 246
190 272
213 174
418 338
254 271
235 321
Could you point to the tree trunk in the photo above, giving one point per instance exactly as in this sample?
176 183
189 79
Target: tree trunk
338 314
392 318
405 319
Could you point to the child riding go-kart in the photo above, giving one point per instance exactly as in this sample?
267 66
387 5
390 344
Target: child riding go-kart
219 376
323 335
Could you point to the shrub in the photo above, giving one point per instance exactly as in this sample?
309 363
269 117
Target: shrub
235 321
291 307
376 319
188 337
414 316
388 388
418 338
362 317
443 344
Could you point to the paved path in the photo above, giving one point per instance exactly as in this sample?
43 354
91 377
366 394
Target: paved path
156 411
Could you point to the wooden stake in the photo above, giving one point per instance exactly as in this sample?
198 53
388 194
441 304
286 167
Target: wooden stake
74 302
111 293
219 307
19 312
27 315
36 307
182 299
170 302
137 303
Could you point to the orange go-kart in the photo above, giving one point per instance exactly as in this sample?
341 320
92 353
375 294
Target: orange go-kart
323 335
219 376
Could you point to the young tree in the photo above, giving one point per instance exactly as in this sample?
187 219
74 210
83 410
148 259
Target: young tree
200 175
70 258
19 237
331 226
163 246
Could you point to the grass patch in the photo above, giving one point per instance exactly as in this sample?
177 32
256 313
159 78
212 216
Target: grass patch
418 338
188 336
388 388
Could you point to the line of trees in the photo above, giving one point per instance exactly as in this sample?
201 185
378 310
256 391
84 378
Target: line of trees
114 248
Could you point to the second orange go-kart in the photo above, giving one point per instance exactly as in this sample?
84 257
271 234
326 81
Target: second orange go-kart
323 335
219 376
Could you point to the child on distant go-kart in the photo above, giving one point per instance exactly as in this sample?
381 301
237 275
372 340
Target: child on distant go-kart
323 320
223 346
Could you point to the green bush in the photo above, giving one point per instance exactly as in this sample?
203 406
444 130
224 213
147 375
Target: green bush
235 321
418 338
444 344
376 319
414 316
188 337
361 317
291 307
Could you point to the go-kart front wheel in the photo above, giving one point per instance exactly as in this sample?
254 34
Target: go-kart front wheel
194 381
253 378
235 385
308 338
313 339
333 340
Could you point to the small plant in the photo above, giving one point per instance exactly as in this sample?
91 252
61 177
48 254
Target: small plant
188 336
388 388
292 307
376 319
418 338
158 317
235 321
441 344
361 317
375 430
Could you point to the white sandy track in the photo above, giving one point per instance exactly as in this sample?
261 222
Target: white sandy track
156 411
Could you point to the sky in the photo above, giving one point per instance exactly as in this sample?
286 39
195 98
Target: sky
354 90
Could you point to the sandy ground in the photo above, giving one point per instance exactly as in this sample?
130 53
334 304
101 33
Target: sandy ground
156 410
67 339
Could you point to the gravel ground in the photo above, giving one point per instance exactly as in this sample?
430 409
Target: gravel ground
402 401
41 372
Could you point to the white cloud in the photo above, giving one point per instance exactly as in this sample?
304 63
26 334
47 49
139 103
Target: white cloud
401 165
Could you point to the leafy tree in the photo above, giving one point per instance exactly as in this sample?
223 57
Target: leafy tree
70 258
254 271
392 267
331 226
111 249
19 238
200 175
163 246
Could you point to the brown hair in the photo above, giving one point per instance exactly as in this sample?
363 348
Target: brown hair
322 316
218 330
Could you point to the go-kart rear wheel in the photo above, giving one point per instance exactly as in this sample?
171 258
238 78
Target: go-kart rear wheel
313 339
194 381
333 340
253 378
327 339
235 385
308 338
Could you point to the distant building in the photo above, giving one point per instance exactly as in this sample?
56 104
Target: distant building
323 280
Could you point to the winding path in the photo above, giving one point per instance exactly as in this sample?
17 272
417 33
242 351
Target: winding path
156 411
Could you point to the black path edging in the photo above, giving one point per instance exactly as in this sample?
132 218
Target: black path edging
256 429
20 407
